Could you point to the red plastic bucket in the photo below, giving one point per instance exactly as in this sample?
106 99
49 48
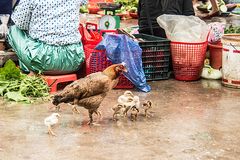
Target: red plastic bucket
215 55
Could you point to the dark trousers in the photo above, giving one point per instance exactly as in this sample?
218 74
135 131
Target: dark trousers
5 6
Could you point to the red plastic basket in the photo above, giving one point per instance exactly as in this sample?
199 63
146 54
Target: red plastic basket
88 50
98 62
188 60
90 38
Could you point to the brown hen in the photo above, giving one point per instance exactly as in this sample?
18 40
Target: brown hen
90 91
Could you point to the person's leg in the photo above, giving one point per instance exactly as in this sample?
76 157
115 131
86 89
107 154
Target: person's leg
159 32
194 1
19 41
215 9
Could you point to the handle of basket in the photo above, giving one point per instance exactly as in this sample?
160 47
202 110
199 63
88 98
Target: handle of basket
89 24
108 31
81 30
208 36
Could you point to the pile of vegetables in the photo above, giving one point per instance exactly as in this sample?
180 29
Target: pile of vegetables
15 86
207 7
232 29
128 5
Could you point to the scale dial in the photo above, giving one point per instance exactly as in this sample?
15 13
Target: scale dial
107 22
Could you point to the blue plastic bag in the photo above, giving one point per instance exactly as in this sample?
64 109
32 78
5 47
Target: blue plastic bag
120 48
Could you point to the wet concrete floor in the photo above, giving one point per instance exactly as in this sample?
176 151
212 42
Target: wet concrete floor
192 121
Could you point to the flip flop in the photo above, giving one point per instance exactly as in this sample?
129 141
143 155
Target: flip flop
231 7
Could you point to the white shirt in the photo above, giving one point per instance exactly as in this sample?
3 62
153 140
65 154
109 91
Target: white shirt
54 22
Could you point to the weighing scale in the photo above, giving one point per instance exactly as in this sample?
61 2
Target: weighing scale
109 22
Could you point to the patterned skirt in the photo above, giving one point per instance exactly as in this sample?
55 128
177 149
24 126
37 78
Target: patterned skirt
40 57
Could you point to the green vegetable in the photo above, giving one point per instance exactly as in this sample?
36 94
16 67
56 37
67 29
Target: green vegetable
83 9
128 4
20 87
16 96
133 10
9 71
232 29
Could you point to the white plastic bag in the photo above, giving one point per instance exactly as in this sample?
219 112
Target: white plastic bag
180 28
3 26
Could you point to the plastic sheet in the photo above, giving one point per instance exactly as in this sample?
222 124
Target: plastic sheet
120 48
180 28
40 57
216 32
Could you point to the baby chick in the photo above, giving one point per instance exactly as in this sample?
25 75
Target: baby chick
146 106
134 113
126 97
51 121
128 100
117 109
135 101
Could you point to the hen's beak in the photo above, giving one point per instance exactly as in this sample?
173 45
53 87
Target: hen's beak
125 68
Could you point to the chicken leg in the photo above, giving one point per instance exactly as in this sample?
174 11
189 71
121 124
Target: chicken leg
74 107
50 131
90 113
57 108
147 114
98 113
75 110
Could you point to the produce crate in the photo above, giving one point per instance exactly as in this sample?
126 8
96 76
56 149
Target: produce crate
99 62
155 57
4 56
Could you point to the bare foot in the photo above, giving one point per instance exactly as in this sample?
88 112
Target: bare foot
212 14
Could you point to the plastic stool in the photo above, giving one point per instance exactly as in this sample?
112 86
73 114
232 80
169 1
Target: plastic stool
55 80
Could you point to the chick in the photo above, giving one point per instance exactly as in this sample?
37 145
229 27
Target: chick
134 113
146 106
51 121
128 100
126 97
135 101
117 109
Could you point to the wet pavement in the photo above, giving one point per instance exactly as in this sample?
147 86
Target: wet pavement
192 121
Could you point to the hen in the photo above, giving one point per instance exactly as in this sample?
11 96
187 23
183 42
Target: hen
90 91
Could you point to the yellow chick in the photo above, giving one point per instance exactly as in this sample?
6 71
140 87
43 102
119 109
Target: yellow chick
51 121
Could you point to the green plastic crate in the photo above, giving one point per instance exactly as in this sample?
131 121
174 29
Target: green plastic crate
155 57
